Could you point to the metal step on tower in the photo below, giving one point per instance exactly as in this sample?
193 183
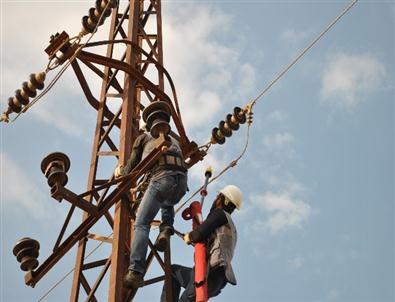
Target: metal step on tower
132 75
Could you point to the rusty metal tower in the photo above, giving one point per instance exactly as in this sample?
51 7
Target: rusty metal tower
132 76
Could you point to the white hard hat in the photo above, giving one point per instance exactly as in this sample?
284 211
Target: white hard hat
233 194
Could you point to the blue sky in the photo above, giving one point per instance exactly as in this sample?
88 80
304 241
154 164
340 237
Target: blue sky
317 222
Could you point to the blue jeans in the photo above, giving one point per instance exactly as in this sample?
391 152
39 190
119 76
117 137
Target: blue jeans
185 277
162 194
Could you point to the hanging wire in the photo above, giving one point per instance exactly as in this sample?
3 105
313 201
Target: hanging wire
231 164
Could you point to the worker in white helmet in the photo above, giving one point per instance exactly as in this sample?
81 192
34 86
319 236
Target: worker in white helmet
220 235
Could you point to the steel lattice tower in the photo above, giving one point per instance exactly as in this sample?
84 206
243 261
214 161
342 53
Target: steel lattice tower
132 74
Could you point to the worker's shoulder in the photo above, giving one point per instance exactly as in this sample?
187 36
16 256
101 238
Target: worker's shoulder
143 138
219 215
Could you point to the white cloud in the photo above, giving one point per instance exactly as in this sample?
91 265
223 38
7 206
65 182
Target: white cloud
296 263
204 68
292 36
278 140
277 116
283 211
19 192
347 79
333 294
50 113
248 78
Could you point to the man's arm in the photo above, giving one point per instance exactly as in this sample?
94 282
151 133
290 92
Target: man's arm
135 157
214 220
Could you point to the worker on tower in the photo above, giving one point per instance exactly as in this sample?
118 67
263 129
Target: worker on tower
220 235
167 185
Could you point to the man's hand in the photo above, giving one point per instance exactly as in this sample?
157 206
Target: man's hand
187 239
117 172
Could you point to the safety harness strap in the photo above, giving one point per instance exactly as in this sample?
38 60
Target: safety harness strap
170 162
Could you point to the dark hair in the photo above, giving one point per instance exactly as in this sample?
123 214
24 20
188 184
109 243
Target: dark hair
230 207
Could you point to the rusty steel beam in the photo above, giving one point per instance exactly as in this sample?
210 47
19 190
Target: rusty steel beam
99 238
94 264
109 219
114 83
168 272
87 287
63 229
133 72
98 280
154 280
94 164
88 94
58 191
122 226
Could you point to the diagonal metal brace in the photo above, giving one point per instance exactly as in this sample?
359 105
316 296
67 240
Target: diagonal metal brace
59 192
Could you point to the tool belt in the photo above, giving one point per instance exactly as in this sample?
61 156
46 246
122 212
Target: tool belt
172 162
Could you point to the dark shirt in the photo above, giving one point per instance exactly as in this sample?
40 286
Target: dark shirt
137 152
214 220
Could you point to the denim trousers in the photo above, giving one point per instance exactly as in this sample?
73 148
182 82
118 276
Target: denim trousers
161 194
185 277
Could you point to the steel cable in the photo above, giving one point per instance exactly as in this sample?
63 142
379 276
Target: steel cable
231 164
303 52
72 270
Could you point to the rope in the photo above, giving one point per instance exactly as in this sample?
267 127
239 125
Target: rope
63 69
303 52
65 276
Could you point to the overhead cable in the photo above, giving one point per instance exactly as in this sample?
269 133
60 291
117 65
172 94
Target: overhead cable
303 52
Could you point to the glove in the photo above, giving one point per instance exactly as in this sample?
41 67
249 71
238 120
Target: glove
187 239
117 171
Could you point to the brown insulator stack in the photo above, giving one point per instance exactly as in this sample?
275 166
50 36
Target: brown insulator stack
225 128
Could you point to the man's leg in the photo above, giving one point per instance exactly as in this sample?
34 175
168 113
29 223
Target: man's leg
176 186
216 282
181 277
189 284
148 209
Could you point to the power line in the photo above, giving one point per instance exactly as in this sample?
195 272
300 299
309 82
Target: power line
303 52
72 270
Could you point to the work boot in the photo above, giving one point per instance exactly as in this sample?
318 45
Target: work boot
164 235
133 279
